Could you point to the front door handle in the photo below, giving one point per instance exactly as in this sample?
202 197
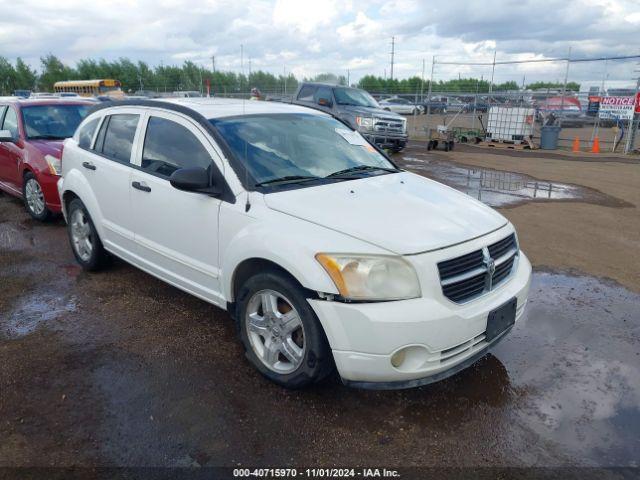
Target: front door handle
89 165
141 186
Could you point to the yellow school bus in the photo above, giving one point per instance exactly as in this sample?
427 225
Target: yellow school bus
90 88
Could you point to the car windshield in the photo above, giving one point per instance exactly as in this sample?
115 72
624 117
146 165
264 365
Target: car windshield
53 121
353 96
296 146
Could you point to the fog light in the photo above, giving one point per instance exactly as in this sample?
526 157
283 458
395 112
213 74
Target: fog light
397 358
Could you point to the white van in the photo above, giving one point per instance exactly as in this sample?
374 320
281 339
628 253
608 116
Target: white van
324 252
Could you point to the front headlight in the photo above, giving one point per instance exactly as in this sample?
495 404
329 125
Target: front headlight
371 277
365 123
55 166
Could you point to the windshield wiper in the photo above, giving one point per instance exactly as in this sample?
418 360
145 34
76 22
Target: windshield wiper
287 179
46 137
360 168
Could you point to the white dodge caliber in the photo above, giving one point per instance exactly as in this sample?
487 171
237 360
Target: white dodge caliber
323 251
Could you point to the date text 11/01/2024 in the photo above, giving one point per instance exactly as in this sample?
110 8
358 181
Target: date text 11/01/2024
316 473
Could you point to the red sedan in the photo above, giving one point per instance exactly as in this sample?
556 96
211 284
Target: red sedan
31 137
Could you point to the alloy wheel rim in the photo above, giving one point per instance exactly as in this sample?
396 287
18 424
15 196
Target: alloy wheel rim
275 331
34 196
81 235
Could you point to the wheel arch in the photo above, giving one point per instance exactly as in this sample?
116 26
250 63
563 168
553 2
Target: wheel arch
76 186
250 267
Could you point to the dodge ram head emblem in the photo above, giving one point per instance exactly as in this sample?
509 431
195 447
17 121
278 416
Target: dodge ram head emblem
491 266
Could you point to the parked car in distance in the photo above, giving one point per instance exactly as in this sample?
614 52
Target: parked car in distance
568 111
31 136
357 109
187 94
457 105
322 250
22 93
400 105
434 105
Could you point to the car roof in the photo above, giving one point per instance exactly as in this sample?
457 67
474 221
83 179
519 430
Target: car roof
218 107
24 102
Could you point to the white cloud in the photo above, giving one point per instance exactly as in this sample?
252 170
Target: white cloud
328 35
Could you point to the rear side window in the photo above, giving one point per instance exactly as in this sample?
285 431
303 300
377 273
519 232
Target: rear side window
85 135
168 146
323 92
116 137
11 122
306 93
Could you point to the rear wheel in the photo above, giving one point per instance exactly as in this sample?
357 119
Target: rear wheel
280 332
33 197
85 243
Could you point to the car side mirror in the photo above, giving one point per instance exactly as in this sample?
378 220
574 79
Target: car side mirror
6 136
324 102
195 179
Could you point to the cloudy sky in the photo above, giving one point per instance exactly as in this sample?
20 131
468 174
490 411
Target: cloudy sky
308 37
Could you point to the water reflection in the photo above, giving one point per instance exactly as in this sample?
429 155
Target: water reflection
493 187
576 353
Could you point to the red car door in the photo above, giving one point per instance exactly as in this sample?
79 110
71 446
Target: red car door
10 153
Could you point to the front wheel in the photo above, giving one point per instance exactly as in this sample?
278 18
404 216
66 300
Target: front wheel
280 332
85 242
34 198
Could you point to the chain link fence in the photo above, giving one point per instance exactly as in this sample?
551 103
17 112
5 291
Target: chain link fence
570 102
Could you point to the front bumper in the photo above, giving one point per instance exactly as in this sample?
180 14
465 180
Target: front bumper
439 337
49 185
386 141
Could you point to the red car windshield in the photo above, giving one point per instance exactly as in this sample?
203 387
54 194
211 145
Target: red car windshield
52 122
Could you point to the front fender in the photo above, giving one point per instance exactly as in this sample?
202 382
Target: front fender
287 241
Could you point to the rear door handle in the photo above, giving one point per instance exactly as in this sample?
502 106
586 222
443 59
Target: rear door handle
141 186
89 165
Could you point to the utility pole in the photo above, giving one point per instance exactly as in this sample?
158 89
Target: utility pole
393 51
348 78
422 83
433 64
493 71
564 85
634 123
249 67
213 63
241 65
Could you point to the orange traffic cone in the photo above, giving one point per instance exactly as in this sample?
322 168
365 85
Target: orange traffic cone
576 145
595 148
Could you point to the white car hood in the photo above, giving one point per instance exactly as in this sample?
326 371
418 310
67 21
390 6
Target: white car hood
403 213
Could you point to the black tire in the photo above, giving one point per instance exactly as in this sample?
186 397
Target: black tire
451 145
429 145
99 257
317 362
43 215
446 146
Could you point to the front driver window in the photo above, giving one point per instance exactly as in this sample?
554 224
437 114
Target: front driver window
11 122
168 146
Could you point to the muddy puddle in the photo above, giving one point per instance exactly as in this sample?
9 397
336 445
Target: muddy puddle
34 310
575 357
500 188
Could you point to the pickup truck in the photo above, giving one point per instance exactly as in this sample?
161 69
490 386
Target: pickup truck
359 110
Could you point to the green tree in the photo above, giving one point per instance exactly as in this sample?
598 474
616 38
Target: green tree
25 77
7 77
53 70
571 86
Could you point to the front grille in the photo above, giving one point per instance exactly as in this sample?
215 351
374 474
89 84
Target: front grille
502 247
389 125
470 275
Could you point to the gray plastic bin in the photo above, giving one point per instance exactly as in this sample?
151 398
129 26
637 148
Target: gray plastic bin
549 137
